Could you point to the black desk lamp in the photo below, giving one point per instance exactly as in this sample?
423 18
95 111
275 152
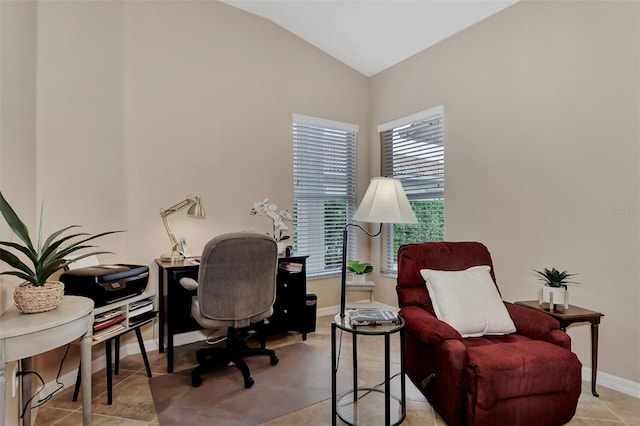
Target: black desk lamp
384 202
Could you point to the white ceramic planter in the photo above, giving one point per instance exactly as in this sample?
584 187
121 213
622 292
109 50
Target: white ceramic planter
358 279
555 296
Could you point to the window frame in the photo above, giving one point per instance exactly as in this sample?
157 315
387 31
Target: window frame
315 237
429 191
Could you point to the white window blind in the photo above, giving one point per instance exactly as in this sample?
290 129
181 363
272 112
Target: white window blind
413 152
324 190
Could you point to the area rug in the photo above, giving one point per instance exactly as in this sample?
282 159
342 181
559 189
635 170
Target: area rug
300 379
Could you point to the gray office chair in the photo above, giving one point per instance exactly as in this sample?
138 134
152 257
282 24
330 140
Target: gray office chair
236 289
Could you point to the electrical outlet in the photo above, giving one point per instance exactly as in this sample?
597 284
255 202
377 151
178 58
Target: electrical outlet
15 381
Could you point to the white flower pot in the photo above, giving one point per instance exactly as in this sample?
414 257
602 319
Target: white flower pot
281 247
358 279
554 295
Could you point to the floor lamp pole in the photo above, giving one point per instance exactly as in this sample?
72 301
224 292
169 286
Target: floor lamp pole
343 282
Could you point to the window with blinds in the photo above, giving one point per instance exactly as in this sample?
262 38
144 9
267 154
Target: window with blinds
413 152
324 190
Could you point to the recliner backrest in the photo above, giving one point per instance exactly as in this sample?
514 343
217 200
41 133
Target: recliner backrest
440 255
237 276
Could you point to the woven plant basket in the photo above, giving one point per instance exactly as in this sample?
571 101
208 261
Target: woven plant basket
30 299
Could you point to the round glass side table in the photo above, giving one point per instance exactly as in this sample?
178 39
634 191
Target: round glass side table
349 405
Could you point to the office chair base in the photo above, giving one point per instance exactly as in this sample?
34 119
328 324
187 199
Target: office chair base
234 353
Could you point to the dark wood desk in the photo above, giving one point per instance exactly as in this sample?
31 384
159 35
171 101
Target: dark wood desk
566 317
174 304
289 310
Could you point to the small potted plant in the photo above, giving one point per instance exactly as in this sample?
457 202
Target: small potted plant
554 290
38 293
359 270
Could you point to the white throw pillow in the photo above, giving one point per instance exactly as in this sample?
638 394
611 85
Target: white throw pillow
468 301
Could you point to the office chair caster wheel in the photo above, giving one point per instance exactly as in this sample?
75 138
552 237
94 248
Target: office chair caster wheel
248 382
274 360
196 380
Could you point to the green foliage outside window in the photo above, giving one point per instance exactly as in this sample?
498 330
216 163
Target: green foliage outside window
335 219
430 215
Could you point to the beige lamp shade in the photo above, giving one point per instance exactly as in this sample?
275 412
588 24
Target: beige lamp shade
385 202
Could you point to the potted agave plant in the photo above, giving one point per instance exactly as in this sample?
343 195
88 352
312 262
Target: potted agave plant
37 293
554 290
359 270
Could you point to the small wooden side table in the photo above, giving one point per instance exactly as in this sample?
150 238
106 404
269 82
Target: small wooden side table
366 286
566 317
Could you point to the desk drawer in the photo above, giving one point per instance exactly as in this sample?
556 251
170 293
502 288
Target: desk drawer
178 302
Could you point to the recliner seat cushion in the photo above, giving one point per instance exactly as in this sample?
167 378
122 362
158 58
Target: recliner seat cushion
510 370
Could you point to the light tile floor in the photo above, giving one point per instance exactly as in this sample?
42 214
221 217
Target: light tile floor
133 404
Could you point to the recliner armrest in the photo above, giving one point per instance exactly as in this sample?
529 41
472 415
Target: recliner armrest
537 325
426 327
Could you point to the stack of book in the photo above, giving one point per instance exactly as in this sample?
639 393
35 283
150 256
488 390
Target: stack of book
293 267
372 317
141 311
108 323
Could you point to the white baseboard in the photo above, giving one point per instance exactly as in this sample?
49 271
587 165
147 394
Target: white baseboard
613 382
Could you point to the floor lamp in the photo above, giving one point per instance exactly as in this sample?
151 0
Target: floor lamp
195 210
384 202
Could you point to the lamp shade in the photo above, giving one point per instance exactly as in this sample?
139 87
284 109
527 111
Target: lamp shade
196 210
385 202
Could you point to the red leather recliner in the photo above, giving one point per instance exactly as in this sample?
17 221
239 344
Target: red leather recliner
529 377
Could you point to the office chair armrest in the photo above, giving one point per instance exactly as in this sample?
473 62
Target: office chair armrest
189 283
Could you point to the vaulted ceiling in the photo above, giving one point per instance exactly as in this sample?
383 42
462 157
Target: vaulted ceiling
372 35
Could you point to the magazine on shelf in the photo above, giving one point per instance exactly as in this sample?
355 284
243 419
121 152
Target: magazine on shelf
108 331
359 317
97 326
140 310
293 267
140 303
106 316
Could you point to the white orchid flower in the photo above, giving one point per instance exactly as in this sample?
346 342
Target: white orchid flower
278 217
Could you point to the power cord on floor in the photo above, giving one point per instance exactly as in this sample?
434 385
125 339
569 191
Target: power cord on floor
48 397
369 390
214 340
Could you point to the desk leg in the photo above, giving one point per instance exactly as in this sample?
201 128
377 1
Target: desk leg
594 357
144 351
107 344
170 351
3 385
26 391
162 278
85 365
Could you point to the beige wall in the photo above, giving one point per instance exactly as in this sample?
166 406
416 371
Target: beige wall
542 153
137 104
17 136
